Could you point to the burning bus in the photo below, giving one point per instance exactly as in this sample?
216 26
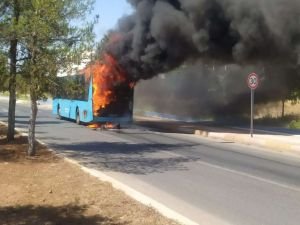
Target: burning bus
101 94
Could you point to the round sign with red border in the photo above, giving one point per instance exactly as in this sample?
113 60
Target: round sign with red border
253 81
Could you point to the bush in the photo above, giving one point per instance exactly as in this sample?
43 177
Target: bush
277 121
294 124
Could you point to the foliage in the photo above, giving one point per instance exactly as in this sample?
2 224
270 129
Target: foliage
22 87
49 40
71 87
295 95
3 73
51 36
42 37
51 43
295 124
10 11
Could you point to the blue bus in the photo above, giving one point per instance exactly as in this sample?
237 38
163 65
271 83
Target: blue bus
78 104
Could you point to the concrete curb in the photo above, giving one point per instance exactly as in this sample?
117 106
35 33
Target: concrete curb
138 196
267 142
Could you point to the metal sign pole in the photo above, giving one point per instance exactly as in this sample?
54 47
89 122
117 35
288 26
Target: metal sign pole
253 82
252 112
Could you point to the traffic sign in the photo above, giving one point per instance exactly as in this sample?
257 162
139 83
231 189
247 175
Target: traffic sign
253 81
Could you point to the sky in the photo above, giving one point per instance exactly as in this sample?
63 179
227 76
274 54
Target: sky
109 11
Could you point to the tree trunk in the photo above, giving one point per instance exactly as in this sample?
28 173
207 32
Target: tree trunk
283 108
33 98
13 71
12 90
31 128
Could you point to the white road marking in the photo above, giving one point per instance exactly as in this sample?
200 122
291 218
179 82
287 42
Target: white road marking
147 200
240 173
227 169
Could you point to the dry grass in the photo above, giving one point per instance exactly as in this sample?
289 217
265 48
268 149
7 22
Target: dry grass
274 110
49 191
271 115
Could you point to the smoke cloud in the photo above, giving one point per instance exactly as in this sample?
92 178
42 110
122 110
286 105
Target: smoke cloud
202 90
210 46
162 34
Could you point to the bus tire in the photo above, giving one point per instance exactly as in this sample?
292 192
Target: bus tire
77 117
58 113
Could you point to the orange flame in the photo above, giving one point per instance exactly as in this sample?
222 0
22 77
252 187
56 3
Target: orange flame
106 75
94 126
106 125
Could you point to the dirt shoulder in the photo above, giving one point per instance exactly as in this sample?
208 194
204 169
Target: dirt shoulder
46 190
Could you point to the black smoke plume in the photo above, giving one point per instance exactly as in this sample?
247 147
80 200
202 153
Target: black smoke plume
210 46
205 91
163 34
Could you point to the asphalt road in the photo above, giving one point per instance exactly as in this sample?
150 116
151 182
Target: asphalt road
210 182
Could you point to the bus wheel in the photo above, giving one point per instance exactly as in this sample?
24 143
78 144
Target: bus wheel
58 113
78 118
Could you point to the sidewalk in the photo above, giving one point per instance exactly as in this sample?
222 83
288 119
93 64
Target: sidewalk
281 142
276 139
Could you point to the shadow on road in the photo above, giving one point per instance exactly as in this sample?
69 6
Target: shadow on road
37 122
66 215
128 158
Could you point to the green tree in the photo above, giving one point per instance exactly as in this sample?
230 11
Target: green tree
9 19
52 39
